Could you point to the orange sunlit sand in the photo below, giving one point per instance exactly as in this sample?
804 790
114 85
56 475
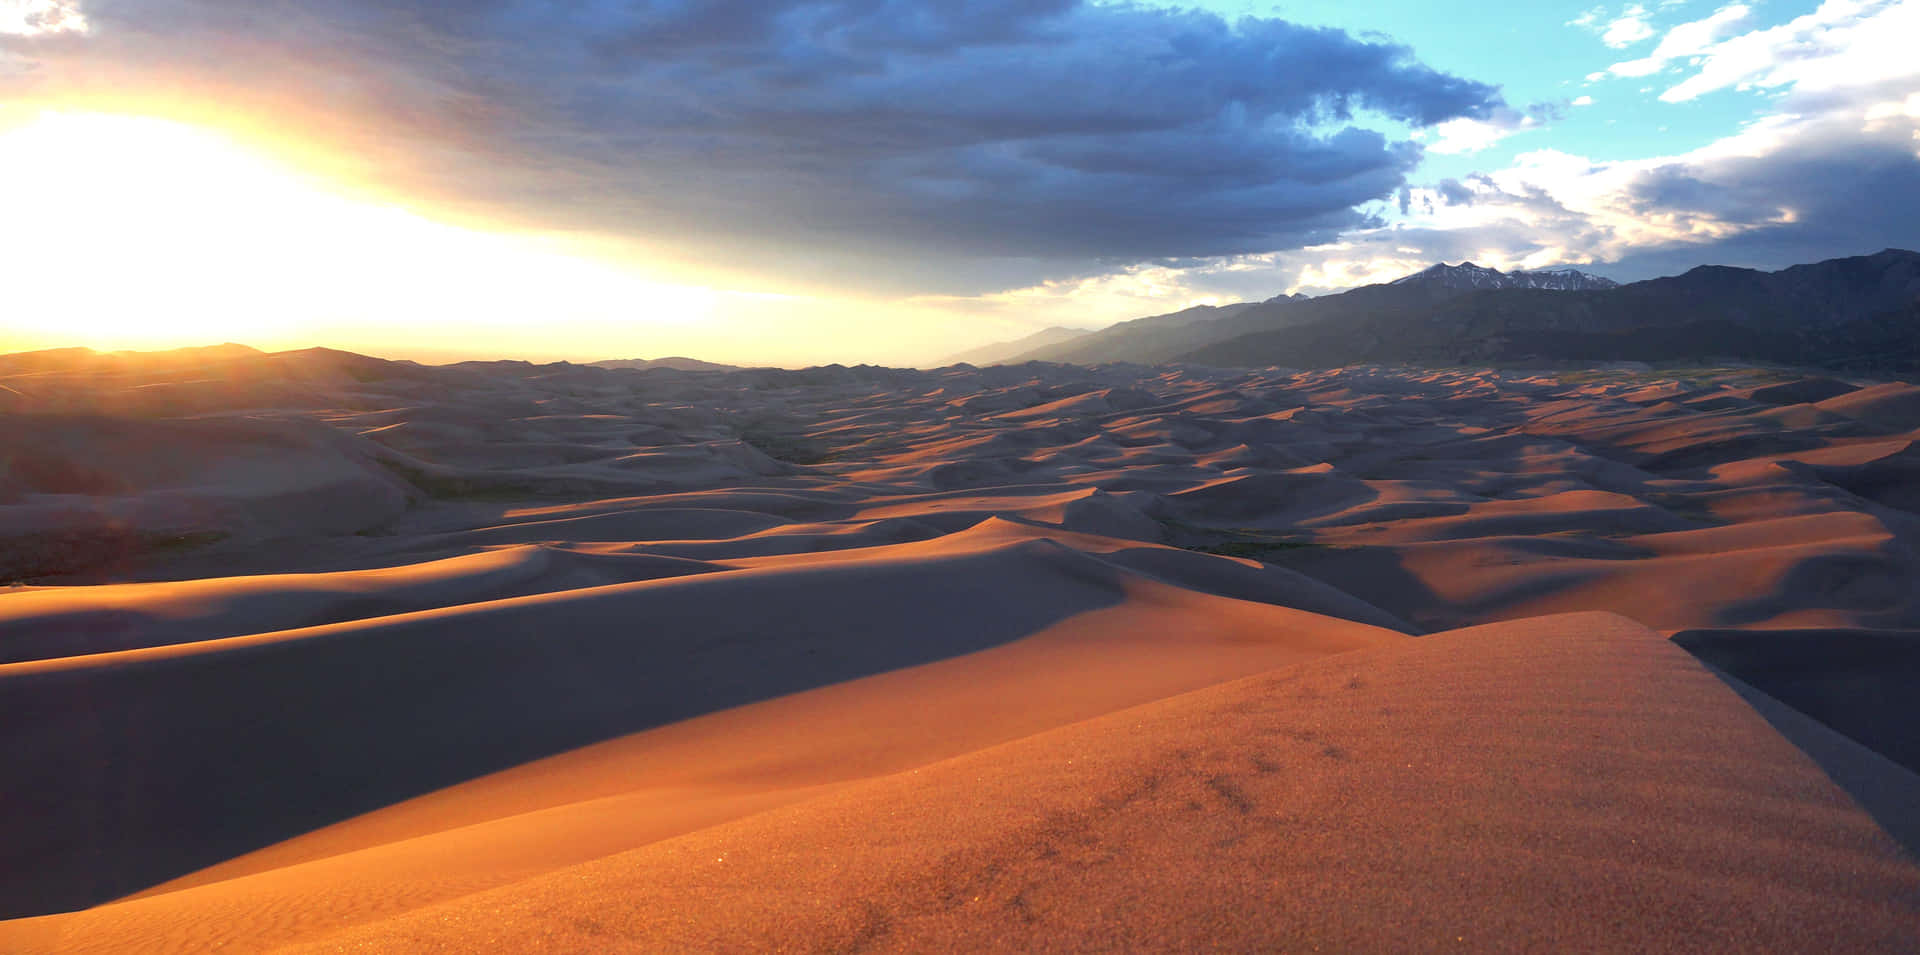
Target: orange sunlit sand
508 656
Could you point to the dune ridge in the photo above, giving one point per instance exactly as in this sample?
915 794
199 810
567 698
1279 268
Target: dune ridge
314 648
1404 797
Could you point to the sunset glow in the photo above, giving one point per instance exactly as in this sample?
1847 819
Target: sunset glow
898 184
126 232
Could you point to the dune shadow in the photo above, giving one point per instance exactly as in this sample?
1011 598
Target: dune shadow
125 771
1376 575
1848 698
1864 684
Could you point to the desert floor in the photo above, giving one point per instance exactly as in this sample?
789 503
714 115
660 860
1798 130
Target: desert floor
320 651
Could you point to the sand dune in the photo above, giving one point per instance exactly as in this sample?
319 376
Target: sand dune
1408 797
628 792
317 649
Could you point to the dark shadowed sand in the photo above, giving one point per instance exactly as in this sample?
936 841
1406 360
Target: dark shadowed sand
319 651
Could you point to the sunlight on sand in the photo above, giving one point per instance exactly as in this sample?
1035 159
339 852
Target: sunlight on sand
317 649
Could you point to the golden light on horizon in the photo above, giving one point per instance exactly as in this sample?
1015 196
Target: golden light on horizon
127 232
133 232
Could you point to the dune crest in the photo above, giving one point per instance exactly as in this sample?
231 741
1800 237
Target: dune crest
1410 796
314 648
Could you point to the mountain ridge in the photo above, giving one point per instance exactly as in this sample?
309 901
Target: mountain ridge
1150 339
999 351
1860 313
1467 275
1844 312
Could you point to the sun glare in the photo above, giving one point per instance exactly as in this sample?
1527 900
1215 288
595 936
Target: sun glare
126 232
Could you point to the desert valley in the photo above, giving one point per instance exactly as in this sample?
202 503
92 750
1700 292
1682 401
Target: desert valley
318 650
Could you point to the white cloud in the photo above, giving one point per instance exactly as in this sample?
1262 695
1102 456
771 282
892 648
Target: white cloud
1468 136
1582 101
1834 175
1620 30
37 17
1908 108
1346 265
1834 170
1129 292
1458 136
1629 28
1845 44
1687 40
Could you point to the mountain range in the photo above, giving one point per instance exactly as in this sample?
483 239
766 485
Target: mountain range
1467 275
1860 313
1000 352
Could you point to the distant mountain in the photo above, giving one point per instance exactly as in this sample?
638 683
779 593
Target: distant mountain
1844 313
1467 275
1000 352
81 358
1161 338
1151 339
1860 313
676 363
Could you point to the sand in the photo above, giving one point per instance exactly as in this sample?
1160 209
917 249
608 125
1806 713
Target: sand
1563 783
315 650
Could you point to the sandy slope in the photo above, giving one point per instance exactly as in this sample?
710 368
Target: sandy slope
1570 782
1155 641
239 742
316 648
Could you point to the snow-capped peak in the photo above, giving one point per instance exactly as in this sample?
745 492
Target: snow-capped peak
1467 275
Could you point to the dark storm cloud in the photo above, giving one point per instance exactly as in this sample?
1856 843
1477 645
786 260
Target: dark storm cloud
1812 188
1862 185
945 146
1832 190
1454 191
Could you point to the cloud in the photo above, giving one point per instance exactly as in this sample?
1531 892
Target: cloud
41 17
1687 40
1471 135
1842 45
1629 28
1833 171
883 146
1625 29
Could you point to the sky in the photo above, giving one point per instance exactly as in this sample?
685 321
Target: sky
892 181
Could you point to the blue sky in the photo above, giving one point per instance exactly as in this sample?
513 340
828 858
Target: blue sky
890 180
1543 53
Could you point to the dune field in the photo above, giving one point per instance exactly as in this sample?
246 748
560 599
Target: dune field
319 651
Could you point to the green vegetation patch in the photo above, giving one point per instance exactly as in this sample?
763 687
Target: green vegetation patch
1257 549
788 446
1234 541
